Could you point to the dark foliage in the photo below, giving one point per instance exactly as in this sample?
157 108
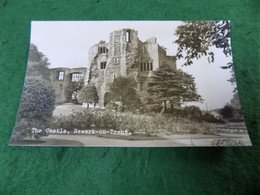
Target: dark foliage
36 107
107 119
88 94
211 119
192 112
169 85
123 89
196 37
37 63
72 90
227 111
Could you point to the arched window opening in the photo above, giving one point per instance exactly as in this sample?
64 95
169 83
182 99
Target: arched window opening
127 36
103 65
146 66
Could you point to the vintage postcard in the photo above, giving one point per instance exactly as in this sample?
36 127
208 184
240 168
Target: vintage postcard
130 84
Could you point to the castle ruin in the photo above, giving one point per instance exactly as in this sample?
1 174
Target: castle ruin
60 77
124 55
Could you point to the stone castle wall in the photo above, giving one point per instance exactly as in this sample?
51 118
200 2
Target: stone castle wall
59 80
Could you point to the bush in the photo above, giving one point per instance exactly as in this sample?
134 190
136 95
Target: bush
36 107
77 120
211 119
227 111
38 99
192 112
107 119
23 128
178 112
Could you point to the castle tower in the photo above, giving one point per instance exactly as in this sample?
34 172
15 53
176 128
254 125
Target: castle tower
124 55
122 43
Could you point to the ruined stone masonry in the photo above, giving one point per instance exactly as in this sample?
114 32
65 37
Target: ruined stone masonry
124 55
60 77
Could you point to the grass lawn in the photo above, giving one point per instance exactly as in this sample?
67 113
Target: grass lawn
66 109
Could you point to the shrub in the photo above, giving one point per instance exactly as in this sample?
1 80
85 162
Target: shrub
178 112
106 119
192 111
227 111
38 99
36 107
76 120
211 119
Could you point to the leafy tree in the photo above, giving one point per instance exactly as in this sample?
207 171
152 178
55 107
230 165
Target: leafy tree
89 94
36 107
227 111
196 37
38 99
72 89
168 84
37 63
123 89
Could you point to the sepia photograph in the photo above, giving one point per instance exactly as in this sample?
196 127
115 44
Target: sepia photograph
130 84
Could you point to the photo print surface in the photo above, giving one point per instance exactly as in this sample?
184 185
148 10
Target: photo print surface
130 84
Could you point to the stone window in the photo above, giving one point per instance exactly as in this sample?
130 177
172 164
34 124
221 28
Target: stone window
103 50
146 66
76 77
60 75
127 36
103 65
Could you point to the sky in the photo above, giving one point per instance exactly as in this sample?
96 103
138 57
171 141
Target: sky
66 44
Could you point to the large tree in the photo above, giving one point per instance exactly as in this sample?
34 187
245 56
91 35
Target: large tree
38 63
72 90
38 99
123 89
89 94
196 38
170 85
36 107
227 111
